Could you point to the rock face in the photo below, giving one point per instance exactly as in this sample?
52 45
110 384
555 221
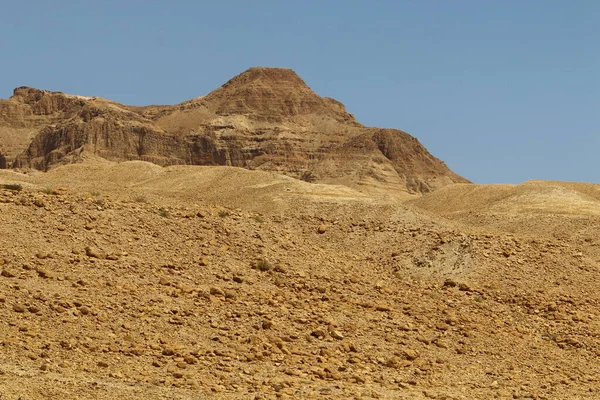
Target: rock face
264 118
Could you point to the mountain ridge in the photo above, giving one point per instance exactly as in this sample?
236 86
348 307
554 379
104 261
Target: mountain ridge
264 118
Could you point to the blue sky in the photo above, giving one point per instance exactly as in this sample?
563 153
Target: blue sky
503 91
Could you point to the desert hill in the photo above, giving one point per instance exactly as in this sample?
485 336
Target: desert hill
260 243
129 280
263 119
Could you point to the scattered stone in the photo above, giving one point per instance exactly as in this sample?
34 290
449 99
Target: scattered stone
336 335
450 283
34 309
410 354
267 324
39 202
322 229
164 281
19 308
464 287
318 333
202 214
8 273
42 273
95 252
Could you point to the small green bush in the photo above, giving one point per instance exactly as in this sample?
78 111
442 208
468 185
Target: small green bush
163 213
223 213
263 265
12 186
140 199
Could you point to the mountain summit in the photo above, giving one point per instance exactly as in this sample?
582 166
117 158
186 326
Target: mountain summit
264 118
272 94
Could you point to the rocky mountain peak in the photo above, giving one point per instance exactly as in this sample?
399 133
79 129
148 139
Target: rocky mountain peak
268 76
272 94
263 119
45 102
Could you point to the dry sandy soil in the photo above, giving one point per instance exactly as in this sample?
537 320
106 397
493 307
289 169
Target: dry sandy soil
130 280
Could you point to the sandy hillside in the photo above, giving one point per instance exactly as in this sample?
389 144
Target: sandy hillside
130 280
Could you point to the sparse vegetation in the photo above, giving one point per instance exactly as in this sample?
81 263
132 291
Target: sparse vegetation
48 191
163 212
263 265
95 194
258 219
550 336
140 199
308 176
12 186
224 213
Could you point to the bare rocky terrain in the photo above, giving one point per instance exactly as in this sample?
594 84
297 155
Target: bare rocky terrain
131 279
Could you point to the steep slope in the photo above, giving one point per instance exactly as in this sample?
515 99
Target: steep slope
264 118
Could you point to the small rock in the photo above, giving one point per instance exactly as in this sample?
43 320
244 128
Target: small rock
168 351
189 359
95 252
322 229
8 273
464 287
410 354
43 273
336 335
215 291
266 324
164 281
318 333
450 283
39 202
19 308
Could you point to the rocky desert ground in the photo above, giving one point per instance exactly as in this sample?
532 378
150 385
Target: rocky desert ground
384 275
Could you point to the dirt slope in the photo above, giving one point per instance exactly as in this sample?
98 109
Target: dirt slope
136 281
263 119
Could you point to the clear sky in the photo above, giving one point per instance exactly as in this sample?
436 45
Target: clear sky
502 90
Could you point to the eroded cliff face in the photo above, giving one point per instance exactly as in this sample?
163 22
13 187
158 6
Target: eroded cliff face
264 118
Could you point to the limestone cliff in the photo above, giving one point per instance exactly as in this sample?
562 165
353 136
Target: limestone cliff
264 118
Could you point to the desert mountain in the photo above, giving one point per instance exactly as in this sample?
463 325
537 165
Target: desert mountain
263 119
